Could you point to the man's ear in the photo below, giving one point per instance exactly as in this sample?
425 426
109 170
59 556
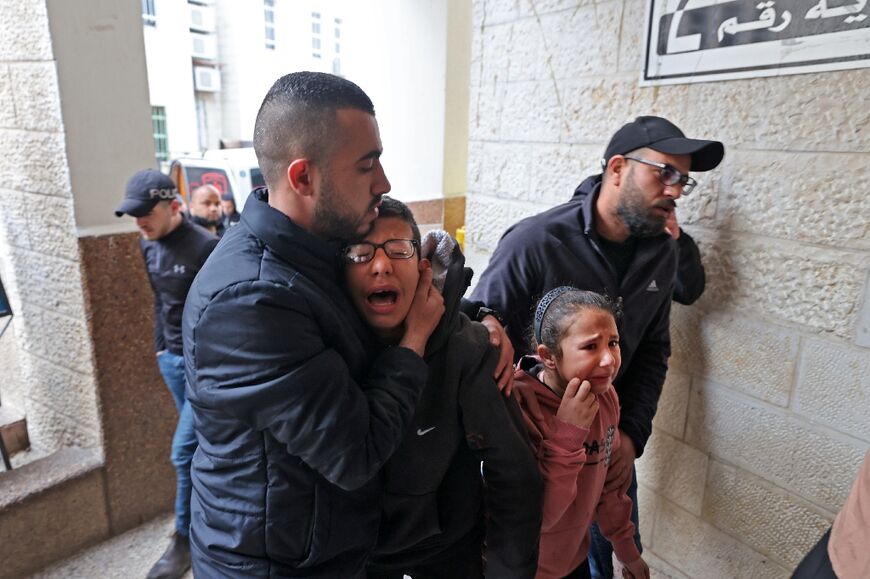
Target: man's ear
300 178
546 356
615 169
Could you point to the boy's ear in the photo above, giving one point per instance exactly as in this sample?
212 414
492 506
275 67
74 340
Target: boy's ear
546 357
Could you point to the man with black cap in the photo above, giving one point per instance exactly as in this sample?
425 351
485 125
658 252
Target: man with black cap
174 250
611 239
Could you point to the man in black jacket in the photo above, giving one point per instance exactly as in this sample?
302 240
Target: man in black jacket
295 411
174 250
613 241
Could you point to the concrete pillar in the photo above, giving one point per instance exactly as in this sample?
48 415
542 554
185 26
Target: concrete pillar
74 124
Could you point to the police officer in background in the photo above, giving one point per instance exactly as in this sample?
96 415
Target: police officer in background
174 250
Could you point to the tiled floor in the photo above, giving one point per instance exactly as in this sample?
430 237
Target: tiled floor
130 556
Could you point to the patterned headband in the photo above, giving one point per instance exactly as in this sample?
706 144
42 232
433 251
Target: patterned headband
545 302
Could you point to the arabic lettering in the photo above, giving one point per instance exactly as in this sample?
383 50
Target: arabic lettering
852 13
765 21
694 25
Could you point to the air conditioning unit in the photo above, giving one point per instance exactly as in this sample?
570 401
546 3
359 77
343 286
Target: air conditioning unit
206 79
202 18
203 46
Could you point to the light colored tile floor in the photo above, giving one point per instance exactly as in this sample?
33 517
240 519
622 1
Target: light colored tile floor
130 556
127 556
660 569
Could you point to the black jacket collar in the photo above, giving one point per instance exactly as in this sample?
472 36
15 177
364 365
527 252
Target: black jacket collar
287 239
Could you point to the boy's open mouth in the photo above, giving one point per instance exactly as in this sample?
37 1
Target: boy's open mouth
382 298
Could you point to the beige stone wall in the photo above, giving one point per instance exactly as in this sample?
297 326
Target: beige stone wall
41 257
74 124
763 419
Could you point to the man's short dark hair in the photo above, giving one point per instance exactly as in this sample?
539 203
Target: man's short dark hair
298 117
394 208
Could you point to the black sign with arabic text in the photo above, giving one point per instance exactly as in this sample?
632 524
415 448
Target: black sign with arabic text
748 22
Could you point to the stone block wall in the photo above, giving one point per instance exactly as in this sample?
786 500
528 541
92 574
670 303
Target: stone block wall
763 420
80 358
41 263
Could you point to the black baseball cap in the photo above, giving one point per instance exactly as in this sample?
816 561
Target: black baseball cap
145 189
664 136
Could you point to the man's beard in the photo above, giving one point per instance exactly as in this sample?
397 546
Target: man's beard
330 222
205 222
637 215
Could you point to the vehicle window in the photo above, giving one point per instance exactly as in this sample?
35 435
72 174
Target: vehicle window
197 176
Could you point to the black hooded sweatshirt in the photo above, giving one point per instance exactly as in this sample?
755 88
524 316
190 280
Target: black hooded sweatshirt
434 493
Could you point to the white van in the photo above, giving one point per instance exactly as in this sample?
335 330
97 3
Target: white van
230 170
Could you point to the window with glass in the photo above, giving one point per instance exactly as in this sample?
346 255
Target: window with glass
315 35
269 21
336 60
149 15
161 139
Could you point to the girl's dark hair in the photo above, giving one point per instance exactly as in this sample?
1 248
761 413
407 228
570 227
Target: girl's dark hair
554 310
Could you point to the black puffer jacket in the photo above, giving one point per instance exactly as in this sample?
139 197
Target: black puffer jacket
434 493
295 415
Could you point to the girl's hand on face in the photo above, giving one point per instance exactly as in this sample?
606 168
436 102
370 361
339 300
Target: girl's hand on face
579 406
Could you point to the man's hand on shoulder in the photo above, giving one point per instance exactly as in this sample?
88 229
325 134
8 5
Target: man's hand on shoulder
504 370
